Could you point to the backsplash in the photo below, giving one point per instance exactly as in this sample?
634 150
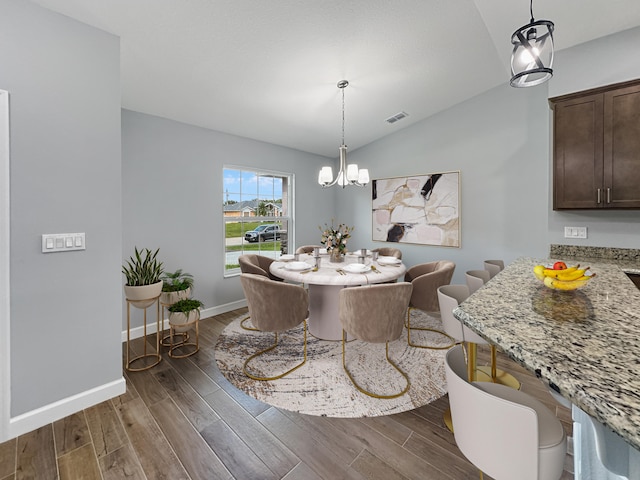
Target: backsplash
608 253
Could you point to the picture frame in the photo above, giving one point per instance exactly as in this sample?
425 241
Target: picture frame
417 209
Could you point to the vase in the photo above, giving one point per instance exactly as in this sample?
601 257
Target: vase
336 256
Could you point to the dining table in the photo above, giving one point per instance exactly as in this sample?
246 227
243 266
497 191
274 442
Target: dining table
583 344
328 279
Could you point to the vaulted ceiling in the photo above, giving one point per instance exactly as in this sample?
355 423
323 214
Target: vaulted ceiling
268 69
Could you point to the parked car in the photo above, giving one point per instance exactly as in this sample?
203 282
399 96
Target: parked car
264 232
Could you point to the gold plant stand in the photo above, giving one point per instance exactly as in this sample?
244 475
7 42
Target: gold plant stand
155 356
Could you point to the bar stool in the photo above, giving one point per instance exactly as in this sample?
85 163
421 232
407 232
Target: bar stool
503 432
494 267
475 280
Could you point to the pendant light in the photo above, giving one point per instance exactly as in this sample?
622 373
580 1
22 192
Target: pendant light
532 55
348 175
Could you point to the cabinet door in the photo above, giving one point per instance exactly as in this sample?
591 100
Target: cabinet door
577 156
622 148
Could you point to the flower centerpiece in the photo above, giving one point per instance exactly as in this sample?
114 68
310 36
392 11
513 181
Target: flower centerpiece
335 240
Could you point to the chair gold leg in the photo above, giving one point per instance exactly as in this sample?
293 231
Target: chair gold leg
275 344
409 328
244 326
490 373
362 390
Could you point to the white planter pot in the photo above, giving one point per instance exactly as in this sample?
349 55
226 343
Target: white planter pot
182 322
169 298
144 295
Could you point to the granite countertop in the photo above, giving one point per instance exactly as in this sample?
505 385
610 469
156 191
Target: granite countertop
585 342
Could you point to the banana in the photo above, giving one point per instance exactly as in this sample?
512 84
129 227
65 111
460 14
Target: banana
569 276
567 285
538 272
550 272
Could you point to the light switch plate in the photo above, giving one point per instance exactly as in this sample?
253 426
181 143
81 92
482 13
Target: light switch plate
63 242
575 232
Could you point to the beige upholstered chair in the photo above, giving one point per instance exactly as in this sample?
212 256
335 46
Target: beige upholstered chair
307 248
426 278
258 265
375 314
389 252
476 279
494 267
505 433
275 307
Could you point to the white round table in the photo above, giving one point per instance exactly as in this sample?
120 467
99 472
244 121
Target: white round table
326 283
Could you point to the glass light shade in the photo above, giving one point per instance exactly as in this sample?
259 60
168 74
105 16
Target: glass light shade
532 55
325 176
342 179
352 172
363 176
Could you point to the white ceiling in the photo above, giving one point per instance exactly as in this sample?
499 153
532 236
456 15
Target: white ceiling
268 69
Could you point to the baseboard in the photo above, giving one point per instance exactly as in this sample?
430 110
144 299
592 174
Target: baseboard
34 419
207 312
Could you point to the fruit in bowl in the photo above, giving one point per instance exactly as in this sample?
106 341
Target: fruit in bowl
560 277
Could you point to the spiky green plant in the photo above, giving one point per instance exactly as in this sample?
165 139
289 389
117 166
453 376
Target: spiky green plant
141 270
176 281
186 305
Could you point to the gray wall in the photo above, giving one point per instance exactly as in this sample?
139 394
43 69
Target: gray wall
172 196
64 85
501 143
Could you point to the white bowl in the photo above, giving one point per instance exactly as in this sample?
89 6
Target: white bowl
297 266
287 258
389 260
357 268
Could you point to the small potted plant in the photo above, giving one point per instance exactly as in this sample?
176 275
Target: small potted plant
176 286
184 313
143 272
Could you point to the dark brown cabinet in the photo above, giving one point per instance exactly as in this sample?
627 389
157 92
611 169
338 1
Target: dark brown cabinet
596 148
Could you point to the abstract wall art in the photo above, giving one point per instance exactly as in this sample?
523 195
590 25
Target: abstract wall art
420 209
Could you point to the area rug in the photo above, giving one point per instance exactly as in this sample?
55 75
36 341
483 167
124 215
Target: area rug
321 387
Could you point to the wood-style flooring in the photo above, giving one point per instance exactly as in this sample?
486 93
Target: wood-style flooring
183 420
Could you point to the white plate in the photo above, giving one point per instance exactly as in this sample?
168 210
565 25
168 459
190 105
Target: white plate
389 260
287 258
357 268
297 266
358 252
323 251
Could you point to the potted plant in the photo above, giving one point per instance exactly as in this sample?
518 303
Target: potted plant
184 313
143 272
176 286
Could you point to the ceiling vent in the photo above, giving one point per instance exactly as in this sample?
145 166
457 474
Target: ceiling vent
396 117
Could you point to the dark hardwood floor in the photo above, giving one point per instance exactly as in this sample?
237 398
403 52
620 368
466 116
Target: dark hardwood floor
183 419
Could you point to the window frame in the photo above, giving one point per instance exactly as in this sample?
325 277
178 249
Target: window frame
286 221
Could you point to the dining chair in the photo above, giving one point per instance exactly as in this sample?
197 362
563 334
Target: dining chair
476 279
374 314
258 265
494 267
389 252
426 278
274 307
504 432
307 248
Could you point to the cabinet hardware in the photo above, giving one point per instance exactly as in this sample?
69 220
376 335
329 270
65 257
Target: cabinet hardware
598 201
608 195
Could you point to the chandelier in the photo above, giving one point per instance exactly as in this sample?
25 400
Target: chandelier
348 174
532 55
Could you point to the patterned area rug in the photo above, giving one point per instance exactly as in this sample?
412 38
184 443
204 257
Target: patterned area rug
321 387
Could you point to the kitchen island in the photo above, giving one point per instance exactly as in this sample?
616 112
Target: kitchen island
585 343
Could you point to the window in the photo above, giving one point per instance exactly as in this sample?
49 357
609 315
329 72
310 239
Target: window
257 214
